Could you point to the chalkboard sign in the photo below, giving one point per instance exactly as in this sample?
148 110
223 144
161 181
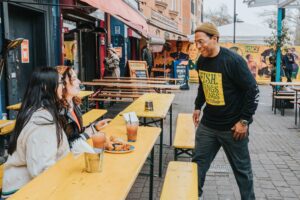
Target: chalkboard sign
181 73
138 69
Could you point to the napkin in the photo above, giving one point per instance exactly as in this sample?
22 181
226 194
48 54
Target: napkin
131 117
80 146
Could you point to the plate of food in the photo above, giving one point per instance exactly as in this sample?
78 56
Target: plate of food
117 146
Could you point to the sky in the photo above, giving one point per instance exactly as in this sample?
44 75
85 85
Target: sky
248 15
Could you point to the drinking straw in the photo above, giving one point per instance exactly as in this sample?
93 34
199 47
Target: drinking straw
129 119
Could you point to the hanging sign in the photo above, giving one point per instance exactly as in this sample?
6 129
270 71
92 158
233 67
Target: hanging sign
25 51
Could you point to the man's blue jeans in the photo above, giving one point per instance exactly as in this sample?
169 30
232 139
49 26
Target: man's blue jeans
208 143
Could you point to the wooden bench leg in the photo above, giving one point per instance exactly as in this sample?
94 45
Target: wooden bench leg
175 154
275 106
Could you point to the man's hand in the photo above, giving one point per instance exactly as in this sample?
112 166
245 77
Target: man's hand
196 116
240 131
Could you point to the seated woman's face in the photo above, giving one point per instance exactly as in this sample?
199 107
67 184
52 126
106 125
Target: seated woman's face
59 90
72 84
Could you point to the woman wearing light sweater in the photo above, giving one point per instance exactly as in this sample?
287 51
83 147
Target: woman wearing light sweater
38 141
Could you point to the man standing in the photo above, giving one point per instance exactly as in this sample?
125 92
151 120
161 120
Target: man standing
230 92
147 56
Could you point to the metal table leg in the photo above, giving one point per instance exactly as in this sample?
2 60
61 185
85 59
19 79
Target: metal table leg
151 174
161 147
296 107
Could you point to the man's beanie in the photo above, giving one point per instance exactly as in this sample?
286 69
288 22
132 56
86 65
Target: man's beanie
208 28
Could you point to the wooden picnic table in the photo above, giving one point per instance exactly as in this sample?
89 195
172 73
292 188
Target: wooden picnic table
92 116
151 78
162 103
130 81
82 95
6 126
85 93
14 107
296 89
157 87
285 84
68 180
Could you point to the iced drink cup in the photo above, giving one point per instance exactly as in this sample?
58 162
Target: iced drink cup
132 128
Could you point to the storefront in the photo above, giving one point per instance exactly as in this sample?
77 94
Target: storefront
82 37
34 23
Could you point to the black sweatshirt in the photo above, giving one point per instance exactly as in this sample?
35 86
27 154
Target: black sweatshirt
228 88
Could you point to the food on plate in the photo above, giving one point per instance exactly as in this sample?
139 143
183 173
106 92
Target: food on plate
116 144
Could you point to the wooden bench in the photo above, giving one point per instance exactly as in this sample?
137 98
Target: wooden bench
92 115
181 182
6 126
184 142
1 175
281 99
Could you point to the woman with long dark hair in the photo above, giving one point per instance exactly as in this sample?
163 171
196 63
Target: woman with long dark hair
38 140
71 111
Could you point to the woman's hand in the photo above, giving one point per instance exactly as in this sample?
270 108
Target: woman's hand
101 124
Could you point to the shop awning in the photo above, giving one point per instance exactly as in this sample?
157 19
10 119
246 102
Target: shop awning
123 12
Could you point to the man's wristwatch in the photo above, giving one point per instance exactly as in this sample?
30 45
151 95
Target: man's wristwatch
244 122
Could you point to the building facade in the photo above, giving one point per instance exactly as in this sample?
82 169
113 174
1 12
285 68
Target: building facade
172 19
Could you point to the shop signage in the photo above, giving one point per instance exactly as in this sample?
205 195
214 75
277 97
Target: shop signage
138 69
117 30
25 51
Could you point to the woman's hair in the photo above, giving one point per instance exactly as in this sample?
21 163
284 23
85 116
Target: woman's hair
65 71
41 92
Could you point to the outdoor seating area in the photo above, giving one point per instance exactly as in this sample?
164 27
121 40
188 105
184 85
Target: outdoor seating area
150 100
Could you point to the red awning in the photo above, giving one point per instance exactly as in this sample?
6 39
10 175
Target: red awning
123 12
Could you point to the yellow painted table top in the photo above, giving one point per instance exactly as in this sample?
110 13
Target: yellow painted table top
181 181
185 131
1 175
81 95
92 115
68 180
7 129
87 119
161 105
14 107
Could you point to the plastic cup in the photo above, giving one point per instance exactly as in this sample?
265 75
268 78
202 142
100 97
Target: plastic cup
132 128
93 162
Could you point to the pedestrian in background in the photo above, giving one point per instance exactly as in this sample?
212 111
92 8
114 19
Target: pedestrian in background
288 62
147 56
230 92
112 62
